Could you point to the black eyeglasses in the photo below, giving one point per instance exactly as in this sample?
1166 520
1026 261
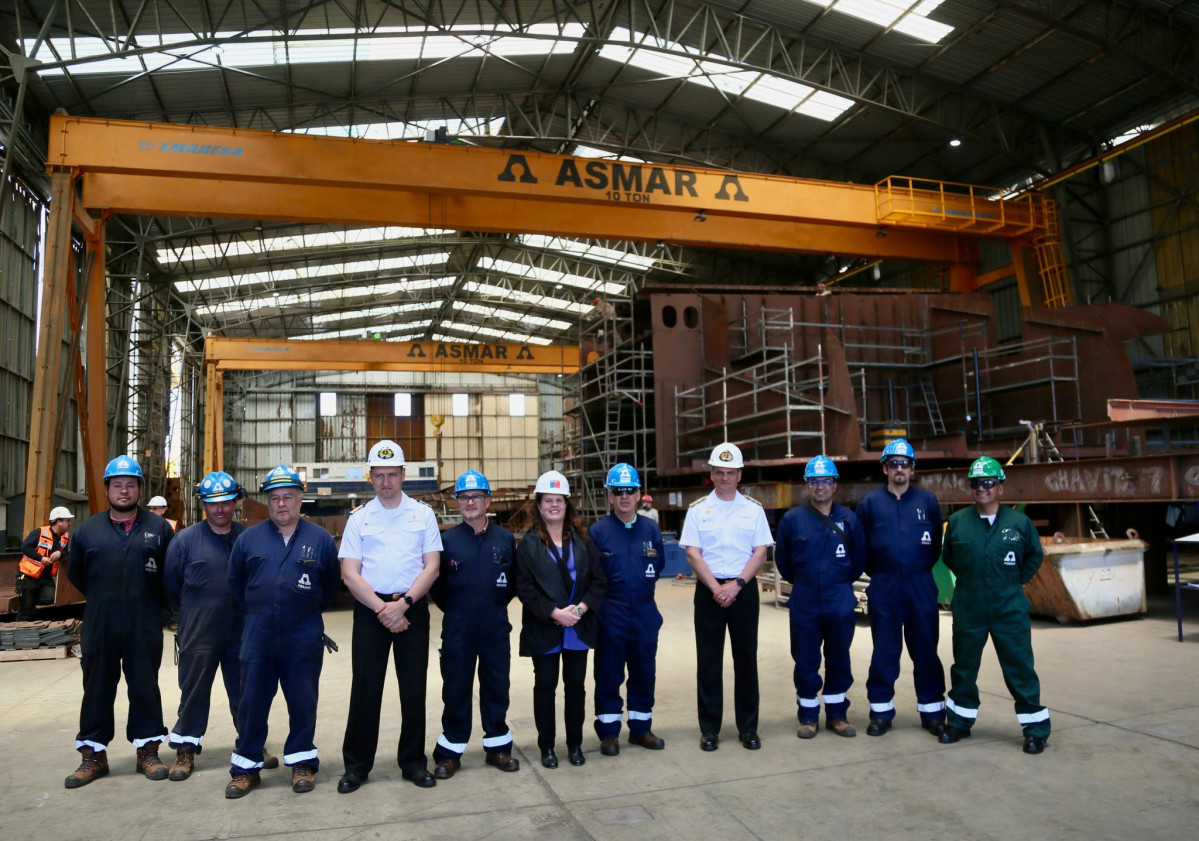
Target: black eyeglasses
472 497
986 484
820 482
901 463
624 491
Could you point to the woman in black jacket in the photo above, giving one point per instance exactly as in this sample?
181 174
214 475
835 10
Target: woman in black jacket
560 581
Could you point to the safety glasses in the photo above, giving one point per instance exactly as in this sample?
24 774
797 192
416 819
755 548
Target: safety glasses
986 484
471 497
624 491
821 482
900 463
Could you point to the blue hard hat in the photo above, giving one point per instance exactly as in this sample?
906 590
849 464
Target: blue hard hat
821 467
472 480
281 477
899 448
219 486
122 466
623 475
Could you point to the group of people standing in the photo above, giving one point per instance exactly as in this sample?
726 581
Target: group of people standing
250 601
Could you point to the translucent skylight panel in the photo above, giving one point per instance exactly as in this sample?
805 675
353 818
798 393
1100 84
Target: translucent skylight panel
501 335
582 151
293 242
411 330
824 106
317 296
515 295
415 130
663 57
549 276
589 251
511 315
387 312
294 273
906 16
266 48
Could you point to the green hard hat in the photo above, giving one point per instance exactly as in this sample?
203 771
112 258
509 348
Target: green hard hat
986 468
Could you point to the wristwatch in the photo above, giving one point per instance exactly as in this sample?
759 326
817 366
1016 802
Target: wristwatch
741 582
407 598
579 610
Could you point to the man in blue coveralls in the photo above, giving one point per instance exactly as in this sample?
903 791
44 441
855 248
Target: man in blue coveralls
473 590
282 574
821 550
209 632
903 530
631 549
116 560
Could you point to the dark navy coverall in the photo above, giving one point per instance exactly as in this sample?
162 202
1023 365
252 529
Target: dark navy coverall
209 626
120 573
473 590
821 569
281 590
904 537
629 621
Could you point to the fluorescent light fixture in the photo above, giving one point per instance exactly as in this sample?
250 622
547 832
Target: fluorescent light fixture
502 293
293 242
549 276
955 143
516 405
460 405
288 276
272 48
403 404
587 251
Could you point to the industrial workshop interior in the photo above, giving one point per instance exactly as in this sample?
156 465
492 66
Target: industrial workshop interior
610 253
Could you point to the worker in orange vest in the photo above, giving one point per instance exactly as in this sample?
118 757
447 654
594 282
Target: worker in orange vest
42 549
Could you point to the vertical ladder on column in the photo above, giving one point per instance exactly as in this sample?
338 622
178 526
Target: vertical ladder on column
929 396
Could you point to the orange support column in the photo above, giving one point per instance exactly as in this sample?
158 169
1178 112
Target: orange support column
963 277
47 375
96 356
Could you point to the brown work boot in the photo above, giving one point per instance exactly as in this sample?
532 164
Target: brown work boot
149 764
842 728
93 766
303 778
185 762
269 760
240 785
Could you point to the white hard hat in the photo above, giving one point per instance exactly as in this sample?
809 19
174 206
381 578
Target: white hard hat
156 502
385 454
552 482
726 455
60 513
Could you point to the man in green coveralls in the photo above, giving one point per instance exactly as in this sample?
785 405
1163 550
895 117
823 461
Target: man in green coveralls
993 550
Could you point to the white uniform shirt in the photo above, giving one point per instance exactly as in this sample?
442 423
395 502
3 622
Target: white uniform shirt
391 542
726 532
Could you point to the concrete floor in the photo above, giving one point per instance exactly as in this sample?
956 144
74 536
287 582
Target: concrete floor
1123 761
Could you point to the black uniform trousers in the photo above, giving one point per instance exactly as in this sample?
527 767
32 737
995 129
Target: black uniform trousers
199 659
545 687
741 620
120 637
29 593
370 648
490 651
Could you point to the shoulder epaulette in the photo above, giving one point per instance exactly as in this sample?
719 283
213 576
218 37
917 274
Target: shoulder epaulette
754 501
697 502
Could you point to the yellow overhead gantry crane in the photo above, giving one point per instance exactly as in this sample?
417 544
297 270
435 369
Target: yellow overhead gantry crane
165 169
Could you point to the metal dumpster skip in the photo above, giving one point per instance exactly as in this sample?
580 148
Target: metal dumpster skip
1084 578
